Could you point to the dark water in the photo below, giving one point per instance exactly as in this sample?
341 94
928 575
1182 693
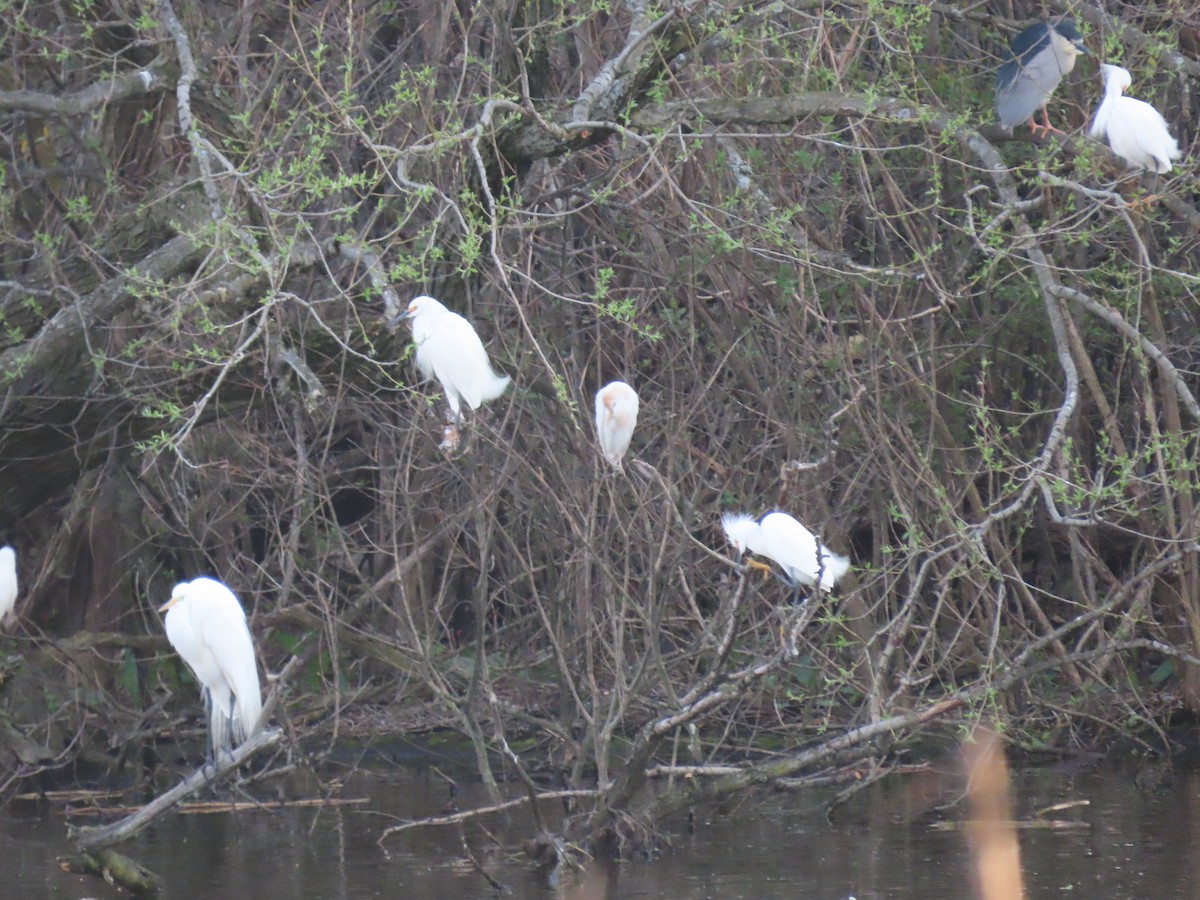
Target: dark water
1131 842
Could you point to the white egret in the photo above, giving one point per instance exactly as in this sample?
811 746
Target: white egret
449 350
1136 131
616 417
206 625
8 586
1036 61
781 538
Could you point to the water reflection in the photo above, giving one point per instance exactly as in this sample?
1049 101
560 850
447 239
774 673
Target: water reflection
1138 843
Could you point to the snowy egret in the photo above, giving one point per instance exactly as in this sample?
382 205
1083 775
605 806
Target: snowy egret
8 586
206 625
616 417
781 538
449 350
1136 131
1036 61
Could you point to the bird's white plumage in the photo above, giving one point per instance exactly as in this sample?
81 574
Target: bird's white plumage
781 538
206 625
449 350
616 417
8 586
1135 130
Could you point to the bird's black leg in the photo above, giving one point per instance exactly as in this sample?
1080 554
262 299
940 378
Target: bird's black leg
226 749
739 560
797 599
210 747
792 586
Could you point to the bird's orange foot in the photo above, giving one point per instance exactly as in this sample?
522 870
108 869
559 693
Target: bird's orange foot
1140 203
1043 129
761 566
450 438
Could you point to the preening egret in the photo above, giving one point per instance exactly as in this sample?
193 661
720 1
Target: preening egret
1036 61
781 538
616 417
1136 131
8 586
206 625
449 350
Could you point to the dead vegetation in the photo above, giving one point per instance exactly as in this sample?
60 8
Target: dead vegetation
963 359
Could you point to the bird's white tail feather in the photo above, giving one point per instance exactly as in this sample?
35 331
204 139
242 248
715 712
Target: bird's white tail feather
833 568
498 386
246 716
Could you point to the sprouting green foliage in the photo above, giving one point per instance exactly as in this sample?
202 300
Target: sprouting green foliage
844 315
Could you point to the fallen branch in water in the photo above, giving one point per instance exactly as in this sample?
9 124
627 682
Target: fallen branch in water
101 837
94 838
224 806
463 816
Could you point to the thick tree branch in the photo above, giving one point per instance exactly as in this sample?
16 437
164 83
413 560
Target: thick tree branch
155 77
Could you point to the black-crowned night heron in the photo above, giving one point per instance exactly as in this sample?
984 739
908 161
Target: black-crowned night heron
780 537
1135 130
1036 62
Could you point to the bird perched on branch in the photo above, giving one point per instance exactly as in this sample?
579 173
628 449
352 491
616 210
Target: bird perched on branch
616 417
1036 61
449 350
206 625
779 537
8 586
1135 130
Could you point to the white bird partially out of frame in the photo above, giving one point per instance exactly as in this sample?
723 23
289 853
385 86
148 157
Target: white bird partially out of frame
449 350
616 417
8 586
1135 130
781 538
206 625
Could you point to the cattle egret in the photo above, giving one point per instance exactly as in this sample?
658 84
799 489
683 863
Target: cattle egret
616 417
8 586
1136 131
781 538
206 625
449 350
1036 61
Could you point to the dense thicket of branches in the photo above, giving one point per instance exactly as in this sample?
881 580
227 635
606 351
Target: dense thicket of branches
964 358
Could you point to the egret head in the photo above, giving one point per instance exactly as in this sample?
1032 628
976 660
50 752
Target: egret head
8 559
1115 77
419 305
178 595
742 531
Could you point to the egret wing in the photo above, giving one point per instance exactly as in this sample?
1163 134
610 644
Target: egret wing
453 352
1100 121
796 549
221 624
1137 132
